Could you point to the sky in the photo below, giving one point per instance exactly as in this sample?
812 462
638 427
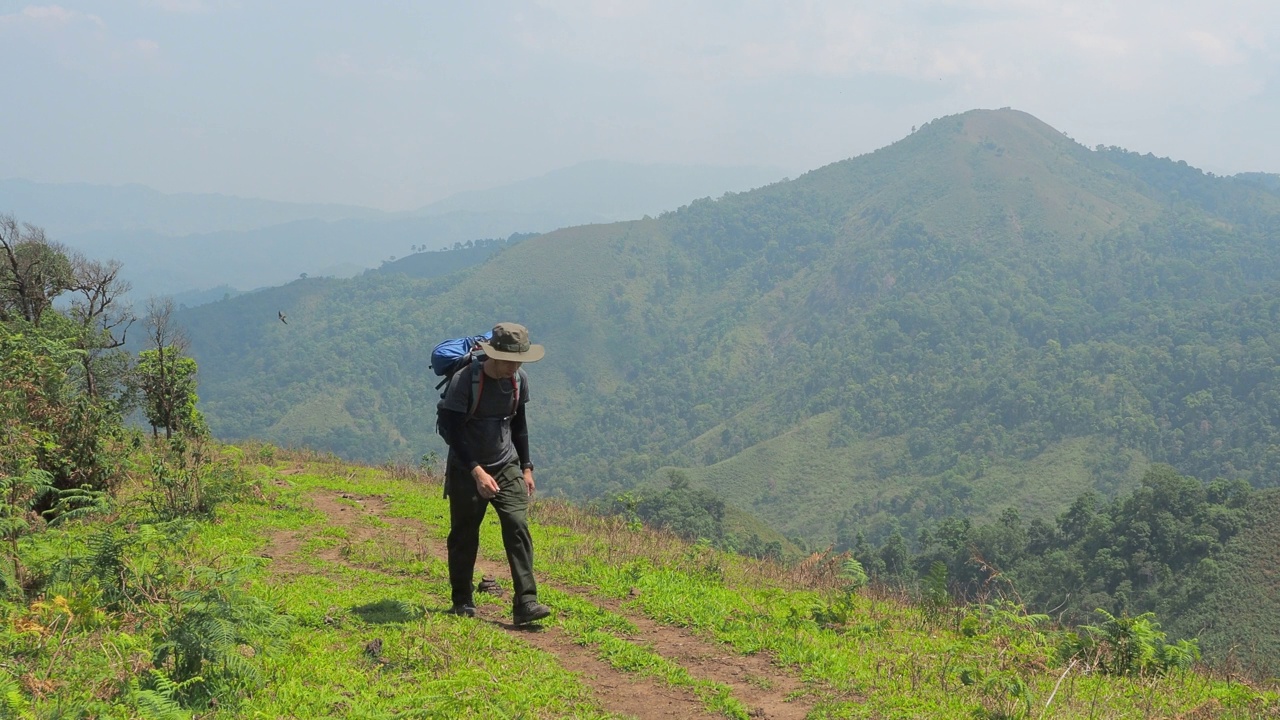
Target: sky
394 105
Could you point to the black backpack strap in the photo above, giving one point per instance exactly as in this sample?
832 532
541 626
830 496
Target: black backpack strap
477 386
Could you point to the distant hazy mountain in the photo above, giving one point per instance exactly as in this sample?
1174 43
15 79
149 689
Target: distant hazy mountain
270 256
191 243
71 209
605 191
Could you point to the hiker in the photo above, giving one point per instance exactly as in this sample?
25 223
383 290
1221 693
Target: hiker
482 417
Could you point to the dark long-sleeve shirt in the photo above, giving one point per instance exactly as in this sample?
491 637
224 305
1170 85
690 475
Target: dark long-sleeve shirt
497 432
454 422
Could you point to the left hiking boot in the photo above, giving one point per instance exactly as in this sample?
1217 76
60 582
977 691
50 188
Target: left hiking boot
463 610
489 585
531 611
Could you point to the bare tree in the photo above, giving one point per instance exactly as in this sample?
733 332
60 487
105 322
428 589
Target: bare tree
164 371
162 331
33 270
100 310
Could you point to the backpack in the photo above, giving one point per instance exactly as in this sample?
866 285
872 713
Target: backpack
456 354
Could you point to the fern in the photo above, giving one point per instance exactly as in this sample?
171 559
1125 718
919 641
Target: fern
854 574
106 562
1004 618
161 700
1133 645
1179 656
12 703
18 495
208 627
78 503
936 590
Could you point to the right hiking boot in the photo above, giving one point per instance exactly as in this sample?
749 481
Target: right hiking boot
463 610
532 611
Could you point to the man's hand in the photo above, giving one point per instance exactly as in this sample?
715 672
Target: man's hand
528 480
486 486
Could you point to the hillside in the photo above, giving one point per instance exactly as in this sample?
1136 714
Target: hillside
982 318
163 575
1238 610
314 588
981 294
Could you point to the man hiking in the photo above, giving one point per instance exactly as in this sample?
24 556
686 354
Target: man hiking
482 417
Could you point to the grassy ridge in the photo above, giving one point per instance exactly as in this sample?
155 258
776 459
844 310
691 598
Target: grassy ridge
356 574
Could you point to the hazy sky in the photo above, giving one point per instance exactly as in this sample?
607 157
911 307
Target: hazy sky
396 104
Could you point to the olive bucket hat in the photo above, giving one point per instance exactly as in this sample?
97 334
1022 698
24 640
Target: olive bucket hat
511 342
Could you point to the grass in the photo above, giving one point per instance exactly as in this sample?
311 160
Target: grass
359 593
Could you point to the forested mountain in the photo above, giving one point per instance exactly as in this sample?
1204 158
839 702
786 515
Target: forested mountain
984 320
983 314
1270 181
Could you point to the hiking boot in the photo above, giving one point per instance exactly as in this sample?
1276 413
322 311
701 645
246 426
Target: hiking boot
489 585
464 610
531 611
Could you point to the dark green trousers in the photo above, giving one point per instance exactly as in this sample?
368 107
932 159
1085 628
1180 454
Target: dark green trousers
466 512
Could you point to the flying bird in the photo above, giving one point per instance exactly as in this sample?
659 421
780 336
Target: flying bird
281 314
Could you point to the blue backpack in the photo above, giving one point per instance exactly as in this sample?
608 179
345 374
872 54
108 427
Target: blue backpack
454 355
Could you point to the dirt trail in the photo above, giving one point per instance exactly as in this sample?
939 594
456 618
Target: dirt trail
617 692
755 681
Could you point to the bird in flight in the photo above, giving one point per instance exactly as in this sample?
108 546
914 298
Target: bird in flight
281 314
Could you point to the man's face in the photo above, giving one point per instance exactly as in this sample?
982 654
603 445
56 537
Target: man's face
503 368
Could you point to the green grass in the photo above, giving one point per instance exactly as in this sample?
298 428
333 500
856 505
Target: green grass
895 658
365 635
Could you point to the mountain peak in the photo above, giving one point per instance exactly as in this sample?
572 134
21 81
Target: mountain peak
978 125
1006 130
986 171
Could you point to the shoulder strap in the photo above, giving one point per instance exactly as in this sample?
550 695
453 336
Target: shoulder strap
477 386
516 386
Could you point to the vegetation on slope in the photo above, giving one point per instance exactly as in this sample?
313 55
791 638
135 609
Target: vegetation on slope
193 579
980 295
1173 546
312 588
983 317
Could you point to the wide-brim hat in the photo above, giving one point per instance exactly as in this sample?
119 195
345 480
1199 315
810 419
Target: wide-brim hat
511 342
